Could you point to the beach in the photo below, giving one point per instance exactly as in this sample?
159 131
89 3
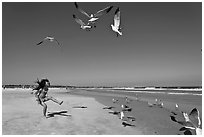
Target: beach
21 115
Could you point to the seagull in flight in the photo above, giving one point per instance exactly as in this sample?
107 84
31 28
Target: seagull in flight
50 38
94 17
81 23
191 122
116 27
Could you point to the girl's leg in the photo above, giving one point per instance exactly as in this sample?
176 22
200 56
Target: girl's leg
38 100
54 100
44 108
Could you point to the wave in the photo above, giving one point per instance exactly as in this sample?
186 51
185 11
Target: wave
158 92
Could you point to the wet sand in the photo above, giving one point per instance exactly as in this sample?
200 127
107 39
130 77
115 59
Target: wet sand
22 115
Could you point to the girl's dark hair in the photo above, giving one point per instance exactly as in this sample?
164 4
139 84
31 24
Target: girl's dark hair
41 84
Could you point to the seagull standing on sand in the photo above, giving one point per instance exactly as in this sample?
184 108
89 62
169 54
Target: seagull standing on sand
94 17
137 97
122 115
50 38
150 104
124 106
156 101
114 100
161 104
176 110
127 100
116 27
176 107
81 23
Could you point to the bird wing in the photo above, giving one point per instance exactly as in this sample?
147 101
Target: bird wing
79 21
103 11
117 18
57 41
186 124
48 37
173 118
40 42
194 117
80 10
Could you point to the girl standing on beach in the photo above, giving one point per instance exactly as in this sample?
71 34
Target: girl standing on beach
41 94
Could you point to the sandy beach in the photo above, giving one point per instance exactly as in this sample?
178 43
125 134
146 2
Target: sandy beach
21 115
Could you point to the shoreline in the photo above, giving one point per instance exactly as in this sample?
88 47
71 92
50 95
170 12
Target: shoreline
159 115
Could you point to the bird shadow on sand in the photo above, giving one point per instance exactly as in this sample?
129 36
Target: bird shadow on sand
59 113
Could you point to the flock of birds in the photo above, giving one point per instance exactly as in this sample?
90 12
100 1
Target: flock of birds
93 18
191 122
91 22
124 109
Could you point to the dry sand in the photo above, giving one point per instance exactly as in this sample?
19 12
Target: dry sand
22 115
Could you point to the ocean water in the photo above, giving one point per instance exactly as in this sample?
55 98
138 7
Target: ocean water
195 92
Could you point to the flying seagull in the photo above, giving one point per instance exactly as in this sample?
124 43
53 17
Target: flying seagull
116 27
81 23
192 121
94 17
50 38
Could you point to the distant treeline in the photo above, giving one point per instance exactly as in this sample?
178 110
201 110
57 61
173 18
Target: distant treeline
61 86
33 86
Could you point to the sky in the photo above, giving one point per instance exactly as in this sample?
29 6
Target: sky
160 46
